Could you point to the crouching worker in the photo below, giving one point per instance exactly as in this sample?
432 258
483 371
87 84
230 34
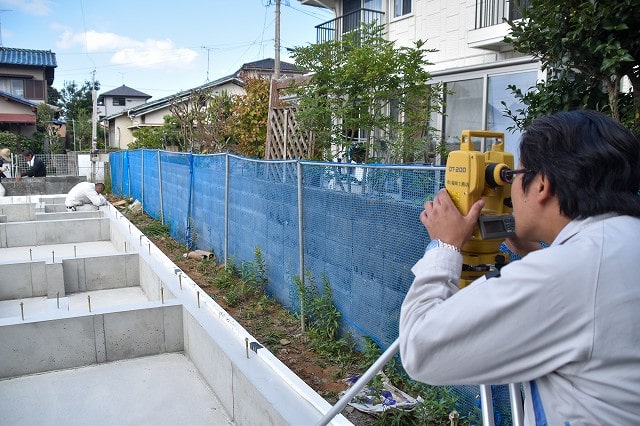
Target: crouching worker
564 320
85 196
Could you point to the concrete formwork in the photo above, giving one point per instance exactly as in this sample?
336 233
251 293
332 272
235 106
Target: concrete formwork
109 303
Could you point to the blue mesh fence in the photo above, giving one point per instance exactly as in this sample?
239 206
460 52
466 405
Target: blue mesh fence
359 225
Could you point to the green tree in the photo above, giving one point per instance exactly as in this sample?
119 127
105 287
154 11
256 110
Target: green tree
53 96
586 47
157 137
364 89
76 105
45 123
74 99
248 121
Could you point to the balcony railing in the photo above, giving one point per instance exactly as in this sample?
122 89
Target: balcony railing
493 12
333 30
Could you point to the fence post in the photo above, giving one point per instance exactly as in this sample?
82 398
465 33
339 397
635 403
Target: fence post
160 185
142 190
226 207
300 241
188 236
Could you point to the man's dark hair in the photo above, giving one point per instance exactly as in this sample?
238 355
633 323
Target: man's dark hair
591 162
27 153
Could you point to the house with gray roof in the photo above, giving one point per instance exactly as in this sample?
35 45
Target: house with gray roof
151 113
120 99
25 78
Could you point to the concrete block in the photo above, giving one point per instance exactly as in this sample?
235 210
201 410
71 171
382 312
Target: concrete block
71 231
39 279
55 279
15 281
173 328
21 234
116 271
73 273
134 333
101 272
203 350
31 348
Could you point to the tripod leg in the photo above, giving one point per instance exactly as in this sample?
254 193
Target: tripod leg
486 399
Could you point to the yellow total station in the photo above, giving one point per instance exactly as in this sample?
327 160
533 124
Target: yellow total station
471 175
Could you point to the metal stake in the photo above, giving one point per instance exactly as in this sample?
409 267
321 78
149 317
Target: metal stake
75 251
198 299
125 246
30 254
180 280
89 300
162 294
53 256
246 346
22 310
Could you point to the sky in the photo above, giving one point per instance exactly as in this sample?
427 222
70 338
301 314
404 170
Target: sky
158 47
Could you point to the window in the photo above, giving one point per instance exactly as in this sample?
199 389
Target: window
476 103
15 86
401 8
119 101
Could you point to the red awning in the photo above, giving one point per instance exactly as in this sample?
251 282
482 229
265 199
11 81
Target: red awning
18 118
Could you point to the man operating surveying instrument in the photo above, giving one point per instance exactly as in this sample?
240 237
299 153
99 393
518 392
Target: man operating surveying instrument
564 320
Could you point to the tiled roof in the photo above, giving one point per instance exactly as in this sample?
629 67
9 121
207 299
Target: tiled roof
36 58
18 98
269 64
125 91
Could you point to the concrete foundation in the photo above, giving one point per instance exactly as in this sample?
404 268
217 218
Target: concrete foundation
98 326
41 185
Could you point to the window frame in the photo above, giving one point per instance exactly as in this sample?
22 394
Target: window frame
398 8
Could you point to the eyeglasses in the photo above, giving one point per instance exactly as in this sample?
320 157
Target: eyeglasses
508 175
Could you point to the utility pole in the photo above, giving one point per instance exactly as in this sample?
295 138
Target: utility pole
94 127
276 67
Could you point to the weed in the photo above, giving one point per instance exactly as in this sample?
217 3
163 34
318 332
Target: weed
323 319
254 272
156 229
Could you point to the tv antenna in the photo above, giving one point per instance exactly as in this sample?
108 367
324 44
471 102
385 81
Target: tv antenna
1 12
208 49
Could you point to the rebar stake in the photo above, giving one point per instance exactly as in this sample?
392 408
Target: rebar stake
53 257
246 346
454 416
162 294
89 300
198 293
180 280
22 310
125 246
141 235
75 251
149 248
129 229
30 254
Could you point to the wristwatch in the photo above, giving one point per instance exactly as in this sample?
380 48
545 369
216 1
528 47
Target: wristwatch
439 243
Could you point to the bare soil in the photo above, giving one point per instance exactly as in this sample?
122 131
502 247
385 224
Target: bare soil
271 325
